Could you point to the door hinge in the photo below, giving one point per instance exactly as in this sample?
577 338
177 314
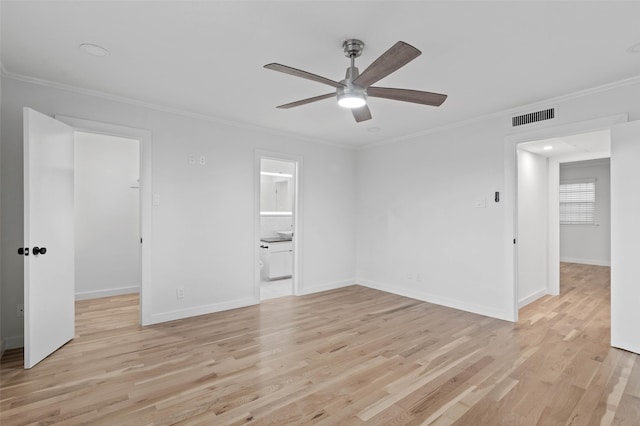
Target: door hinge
514 241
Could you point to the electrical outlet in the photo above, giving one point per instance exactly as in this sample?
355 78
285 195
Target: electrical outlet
419 277
20 311
191 159
203 160
409 276
179 292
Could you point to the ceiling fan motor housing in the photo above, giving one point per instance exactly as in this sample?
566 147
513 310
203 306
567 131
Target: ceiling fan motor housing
349 88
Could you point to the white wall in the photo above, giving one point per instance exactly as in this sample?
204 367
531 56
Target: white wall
416 203
589 244
553 228
107 218
417 215
625 234
2 343
532 226
203 228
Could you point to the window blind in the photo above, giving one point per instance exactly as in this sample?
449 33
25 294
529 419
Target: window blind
577 202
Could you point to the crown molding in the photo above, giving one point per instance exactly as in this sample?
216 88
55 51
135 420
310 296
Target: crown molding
511 111
166 109
262 129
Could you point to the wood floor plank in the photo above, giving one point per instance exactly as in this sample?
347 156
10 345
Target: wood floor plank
349 356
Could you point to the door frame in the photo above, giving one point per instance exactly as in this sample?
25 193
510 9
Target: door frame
145 202
297 219
511 143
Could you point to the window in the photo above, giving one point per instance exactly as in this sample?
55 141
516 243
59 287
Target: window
577 202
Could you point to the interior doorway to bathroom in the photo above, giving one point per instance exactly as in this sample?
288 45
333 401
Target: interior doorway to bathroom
277 224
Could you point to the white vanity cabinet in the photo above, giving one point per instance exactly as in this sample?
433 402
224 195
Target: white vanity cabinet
277 258
280 259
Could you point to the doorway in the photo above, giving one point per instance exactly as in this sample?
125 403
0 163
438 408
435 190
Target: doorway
552 223
107 215
277 226
131 138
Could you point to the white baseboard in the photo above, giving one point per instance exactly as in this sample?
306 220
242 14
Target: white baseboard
106 293
530 298
202 310
439 300
14 342
325 287
234 304
586 261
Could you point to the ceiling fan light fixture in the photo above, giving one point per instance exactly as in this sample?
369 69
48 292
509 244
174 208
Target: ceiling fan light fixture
351 100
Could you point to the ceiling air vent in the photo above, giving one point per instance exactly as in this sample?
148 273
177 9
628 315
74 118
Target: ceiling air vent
533 117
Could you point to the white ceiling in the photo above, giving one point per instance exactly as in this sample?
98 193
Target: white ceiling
207 57
584 146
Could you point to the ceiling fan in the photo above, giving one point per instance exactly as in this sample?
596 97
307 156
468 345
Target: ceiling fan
352 92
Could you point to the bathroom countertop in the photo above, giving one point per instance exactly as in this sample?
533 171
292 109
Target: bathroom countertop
275 239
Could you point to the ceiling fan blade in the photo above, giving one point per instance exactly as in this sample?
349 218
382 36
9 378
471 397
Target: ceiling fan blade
307 101
405 95
396 57
361 114
303 74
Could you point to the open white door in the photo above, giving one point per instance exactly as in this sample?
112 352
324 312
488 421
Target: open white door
625 236
49 310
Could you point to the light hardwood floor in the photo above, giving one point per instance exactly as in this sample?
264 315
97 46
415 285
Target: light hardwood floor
348 356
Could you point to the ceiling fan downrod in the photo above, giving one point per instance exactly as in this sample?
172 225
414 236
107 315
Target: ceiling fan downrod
352 49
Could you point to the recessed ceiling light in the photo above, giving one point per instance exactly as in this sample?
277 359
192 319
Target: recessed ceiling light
373 129
634 49
547 148
94 50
